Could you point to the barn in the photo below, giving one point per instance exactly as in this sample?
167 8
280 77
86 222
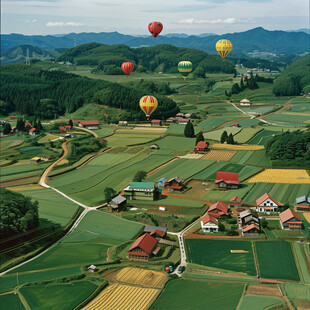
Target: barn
218 210
143 248
141 191
227 179
117 203
89 124
201 147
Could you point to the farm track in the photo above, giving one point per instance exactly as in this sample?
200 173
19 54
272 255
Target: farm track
286 106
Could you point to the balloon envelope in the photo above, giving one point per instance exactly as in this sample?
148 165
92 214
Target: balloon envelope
185 68
167 269
223 47
155 28
127 67
148 105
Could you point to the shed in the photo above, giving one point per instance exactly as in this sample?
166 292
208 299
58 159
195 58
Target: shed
117 203
92 268
161 182
33 132
235 201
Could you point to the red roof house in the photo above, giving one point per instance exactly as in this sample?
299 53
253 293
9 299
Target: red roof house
227 179
32 131
250 230
89 124
235 201
67 127
156 122
267 204
219 209
201 147
142 248
209 223
28 124
158 233
290 219
62 129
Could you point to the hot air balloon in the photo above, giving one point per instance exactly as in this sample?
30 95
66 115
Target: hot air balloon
155 28
148 105
185 68
127 67
223 47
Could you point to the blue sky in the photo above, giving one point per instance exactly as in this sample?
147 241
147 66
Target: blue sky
132 17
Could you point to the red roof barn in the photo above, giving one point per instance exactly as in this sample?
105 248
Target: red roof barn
201 147
235 201
156 122
142 248
218 209
89 124
227 179
62 129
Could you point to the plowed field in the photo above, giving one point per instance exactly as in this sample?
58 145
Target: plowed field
219 155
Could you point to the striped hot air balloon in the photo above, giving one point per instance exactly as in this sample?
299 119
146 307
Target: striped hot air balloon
223 47
148 105
127 67
185 68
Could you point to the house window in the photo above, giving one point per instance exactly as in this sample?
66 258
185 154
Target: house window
265 204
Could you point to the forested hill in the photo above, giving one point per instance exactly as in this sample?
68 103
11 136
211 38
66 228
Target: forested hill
259 39
32 91
294 79
163 58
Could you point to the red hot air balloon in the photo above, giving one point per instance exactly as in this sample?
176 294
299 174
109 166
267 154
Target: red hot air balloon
155 28
127 67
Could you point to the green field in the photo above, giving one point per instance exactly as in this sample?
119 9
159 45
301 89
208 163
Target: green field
57 296
192 295
178 129
302 263
262 137
216 253
216 134
258 302
288 119
211 122
246 134
272 256
205 173
174 143
245 123
258 158
10 301
296 291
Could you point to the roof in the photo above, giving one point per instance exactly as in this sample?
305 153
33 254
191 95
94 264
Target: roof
35 158
181 119
301 199
32 130
236 124
67 126
202 144
26 124
150 229
208 218
155 121
249 227
155 252
177 179
92 267
236 198
145 242
245 101
141 185
62 128
244 213
220 206
89 122
158 232
227 177
265 197
288 214
303 206
119 199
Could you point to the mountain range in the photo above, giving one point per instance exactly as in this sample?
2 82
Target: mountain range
256 39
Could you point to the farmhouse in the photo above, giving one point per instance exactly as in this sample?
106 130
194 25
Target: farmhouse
267 204
209 224
171 120
117 203
201 147
62 129
156 122
247 218
157 233
303 203
182 121
28 124
33 131
235 201
218 210
89 124
142 248
227 179
141 191
180 114
175 184
68 127
245 102
122 123
290 220
250 230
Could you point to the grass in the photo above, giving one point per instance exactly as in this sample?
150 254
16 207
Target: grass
48 137
258 302
245 123
188 294
272 256
174 143
258 158
58 296
216 134
216 253
296 291
12 301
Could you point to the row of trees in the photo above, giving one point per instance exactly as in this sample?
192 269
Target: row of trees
229 139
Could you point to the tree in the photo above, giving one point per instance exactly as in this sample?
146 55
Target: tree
7 128
235 89
20 124
230 139
189 130
224 137
199 137
71 122
221 227
200 73
139 176
264 223
242 87
109 193
39 126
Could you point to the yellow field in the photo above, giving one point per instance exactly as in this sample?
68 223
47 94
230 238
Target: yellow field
290 176
233 147
27 187
219 155
142 277
48 137
117 297
307 216
62 162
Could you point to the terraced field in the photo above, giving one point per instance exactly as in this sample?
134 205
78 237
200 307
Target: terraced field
219 155
118 296
246 134
216 134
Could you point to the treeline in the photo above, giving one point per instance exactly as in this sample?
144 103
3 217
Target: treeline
164 58
294 79
45 94
17 213
290 149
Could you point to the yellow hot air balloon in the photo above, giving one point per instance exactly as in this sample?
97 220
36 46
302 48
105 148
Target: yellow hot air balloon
148 105
223 47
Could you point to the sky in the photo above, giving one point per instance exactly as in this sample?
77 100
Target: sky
46 17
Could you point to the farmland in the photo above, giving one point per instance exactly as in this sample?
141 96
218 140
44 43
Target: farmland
235 147
216 254
258 302
188 294
219 155
12 301
290 176
246 134
272 256
118 296
216 134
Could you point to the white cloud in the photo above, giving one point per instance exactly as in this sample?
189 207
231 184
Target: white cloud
60 24
31 21
230 20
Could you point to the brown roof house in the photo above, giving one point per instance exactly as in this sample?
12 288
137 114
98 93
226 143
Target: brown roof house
201 147
175 183
143 248
235 201
290 220
267 204
218 210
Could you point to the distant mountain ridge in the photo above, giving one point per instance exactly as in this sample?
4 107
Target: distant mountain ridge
257 39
